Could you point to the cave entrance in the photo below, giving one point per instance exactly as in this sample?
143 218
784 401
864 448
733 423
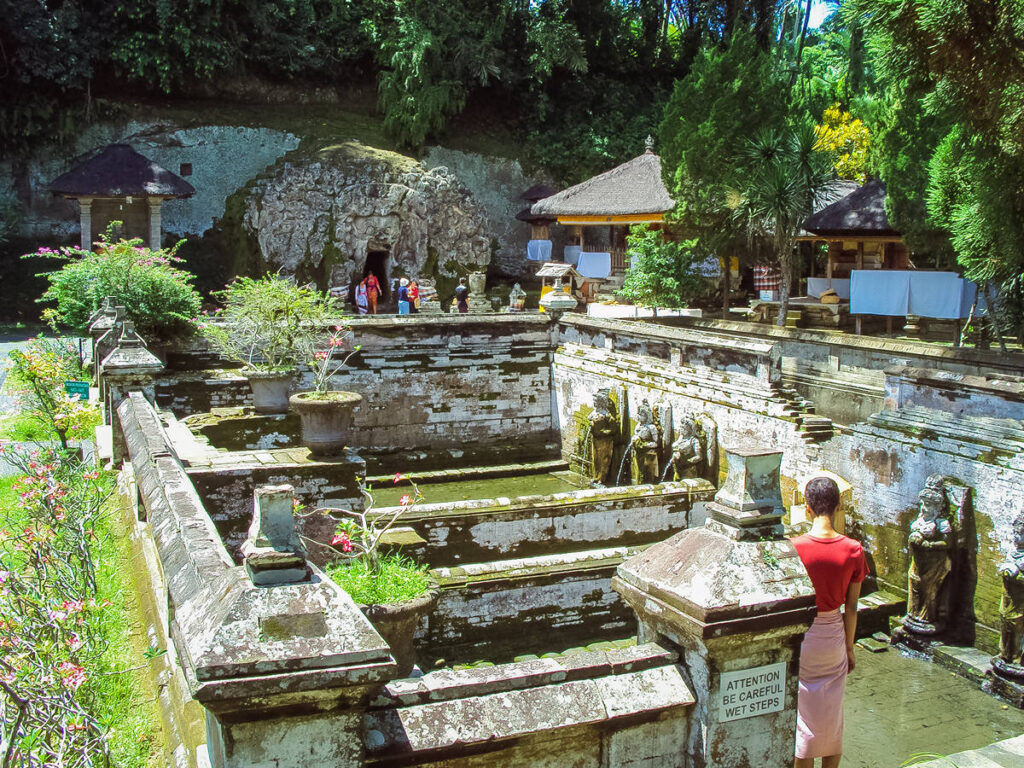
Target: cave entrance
376 262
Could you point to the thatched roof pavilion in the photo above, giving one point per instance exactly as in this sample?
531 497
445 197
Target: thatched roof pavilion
117 183
632 193
857 230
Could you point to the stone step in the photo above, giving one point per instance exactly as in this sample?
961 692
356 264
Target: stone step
874 610
1001 754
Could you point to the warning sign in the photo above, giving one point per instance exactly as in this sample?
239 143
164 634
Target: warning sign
750 692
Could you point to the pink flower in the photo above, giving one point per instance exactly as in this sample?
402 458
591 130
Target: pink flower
343 540
339 328
406 500
398 478
71 674
74 642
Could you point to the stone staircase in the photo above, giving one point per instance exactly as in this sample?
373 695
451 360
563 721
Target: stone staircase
812 428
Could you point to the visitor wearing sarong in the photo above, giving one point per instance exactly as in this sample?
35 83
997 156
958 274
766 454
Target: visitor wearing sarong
403 296
372 292
837 567
414 296
362 302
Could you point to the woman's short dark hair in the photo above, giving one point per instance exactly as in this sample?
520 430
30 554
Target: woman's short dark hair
822 495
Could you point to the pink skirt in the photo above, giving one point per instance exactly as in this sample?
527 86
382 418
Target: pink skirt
819 703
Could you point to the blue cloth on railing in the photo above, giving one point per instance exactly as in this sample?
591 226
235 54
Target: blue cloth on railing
595 265
538 250
571 254
897 293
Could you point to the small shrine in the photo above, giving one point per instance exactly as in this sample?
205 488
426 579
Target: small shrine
117 183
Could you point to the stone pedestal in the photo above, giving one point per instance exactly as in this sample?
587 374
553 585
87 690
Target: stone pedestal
735 600
273 553
129 367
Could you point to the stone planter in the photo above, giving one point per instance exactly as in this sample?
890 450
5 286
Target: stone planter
270 390
397 624
326 419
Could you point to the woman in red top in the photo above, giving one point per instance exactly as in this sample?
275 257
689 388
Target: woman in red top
836 566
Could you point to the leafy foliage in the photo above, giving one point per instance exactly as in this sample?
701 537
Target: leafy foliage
661 273
269 323
39 371
51 615
157 296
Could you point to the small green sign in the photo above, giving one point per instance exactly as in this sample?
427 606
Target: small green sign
79 389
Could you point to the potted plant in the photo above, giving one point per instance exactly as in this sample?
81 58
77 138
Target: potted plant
325 414
392 591
267 325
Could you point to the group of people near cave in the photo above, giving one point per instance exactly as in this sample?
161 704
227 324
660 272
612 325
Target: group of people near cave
368 291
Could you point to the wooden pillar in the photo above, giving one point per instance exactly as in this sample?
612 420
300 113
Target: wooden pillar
85 213
577 234
832 246
155 225
860 254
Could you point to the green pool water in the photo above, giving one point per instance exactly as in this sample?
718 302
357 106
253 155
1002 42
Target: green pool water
387 494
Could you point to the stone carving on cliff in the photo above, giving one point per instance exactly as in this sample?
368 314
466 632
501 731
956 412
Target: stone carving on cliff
320 215
931 543
1010 661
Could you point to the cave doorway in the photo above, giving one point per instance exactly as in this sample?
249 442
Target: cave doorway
376 262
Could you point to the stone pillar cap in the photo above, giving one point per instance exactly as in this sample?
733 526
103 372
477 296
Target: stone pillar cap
131 356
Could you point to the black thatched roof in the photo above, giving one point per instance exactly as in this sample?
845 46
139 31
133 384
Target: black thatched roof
537 192
862 212
120 171
632 188
530 218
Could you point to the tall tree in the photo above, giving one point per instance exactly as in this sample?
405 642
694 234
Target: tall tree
713 113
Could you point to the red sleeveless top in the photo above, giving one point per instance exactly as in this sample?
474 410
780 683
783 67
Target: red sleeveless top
832 564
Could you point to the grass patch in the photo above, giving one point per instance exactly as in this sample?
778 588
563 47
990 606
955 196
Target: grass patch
125 696
23 428
397 579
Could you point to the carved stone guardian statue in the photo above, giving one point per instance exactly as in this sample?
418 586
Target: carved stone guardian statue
516 299
1010 661
694 449
645 442
604 424
931 545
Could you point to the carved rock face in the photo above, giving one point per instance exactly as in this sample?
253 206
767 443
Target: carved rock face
341 203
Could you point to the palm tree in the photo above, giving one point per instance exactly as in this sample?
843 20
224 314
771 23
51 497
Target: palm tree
784 178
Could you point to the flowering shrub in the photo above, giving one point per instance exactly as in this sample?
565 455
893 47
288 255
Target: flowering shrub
158 296
49 614
367 573
328 361
39 371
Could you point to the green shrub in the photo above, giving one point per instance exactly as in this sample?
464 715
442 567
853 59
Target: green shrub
157 296
269 323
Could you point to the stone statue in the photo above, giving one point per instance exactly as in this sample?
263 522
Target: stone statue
1010 661
516 299
604 427
687 450
645 442
931 545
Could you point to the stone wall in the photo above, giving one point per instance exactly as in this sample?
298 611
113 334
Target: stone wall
444 384
971 434
843 374
294 673
932 420
627 708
